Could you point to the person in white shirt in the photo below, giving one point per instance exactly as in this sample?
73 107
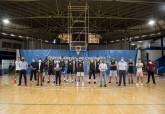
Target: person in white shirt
40 69
122 67
80 72
17 68
139 72
103 68
58 68
23 68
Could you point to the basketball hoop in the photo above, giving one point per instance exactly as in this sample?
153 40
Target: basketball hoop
78 49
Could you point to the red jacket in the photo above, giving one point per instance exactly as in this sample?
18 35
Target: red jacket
151 67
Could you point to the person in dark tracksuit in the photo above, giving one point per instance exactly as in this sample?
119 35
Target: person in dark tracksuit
62 61
70 70
50 69
23 67
97 66
33 70
92 71
40 69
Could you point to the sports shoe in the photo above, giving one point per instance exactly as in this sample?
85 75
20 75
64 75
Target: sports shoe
137 84
82 83
141 84
77 84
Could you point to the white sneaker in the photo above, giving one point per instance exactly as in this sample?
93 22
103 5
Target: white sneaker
137 84
77 84
82 83
141 84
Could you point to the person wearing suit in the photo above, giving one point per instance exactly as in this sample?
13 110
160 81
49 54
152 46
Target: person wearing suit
40 69
92 71
33 70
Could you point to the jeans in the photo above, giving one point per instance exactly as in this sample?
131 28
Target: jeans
33 73
22 73
122 74
102 78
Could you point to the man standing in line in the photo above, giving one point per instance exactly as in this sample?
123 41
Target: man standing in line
122 67
103 68
17 68
58 68
92 70
150 70
40 72
70 70
33 70
23 68
62 61
80 72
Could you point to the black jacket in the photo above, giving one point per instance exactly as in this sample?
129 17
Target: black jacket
41 67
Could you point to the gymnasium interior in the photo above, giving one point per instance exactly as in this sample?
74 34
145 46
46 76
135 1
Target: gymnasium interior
82 30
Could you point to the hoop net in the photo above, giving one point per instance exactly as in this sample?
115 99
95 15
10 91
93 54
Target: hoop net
78 49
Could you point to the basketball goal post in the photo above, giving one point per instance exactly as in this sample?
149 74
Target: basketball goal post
78 27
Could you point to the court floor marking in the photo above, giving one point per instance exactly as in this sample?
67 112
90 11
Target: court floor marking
69 104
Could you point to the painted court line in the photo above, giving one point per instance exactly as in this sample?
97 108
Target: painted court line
82 104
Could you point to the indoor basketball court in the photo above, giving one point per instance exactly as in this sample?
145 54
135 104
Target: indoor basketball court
82 56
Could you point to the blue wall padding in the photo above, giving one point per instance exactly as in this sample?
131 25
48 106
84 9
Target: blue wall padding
117 54
160 65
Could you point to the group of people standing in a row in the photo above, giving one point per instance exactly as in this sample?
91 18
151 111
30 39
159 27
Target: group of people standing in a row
73 71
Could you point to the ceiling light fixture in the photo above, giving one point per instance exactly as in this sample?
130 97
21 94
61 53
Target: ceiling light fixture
151 22
6 21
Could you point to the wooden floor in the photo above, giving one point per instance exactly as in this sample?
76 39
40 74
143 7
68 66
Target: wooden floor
67 99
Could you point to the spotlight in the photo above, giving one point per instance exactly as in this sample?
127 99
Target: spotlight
54 41
6 21
151 22
20 36
4 33
133 44
12 35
